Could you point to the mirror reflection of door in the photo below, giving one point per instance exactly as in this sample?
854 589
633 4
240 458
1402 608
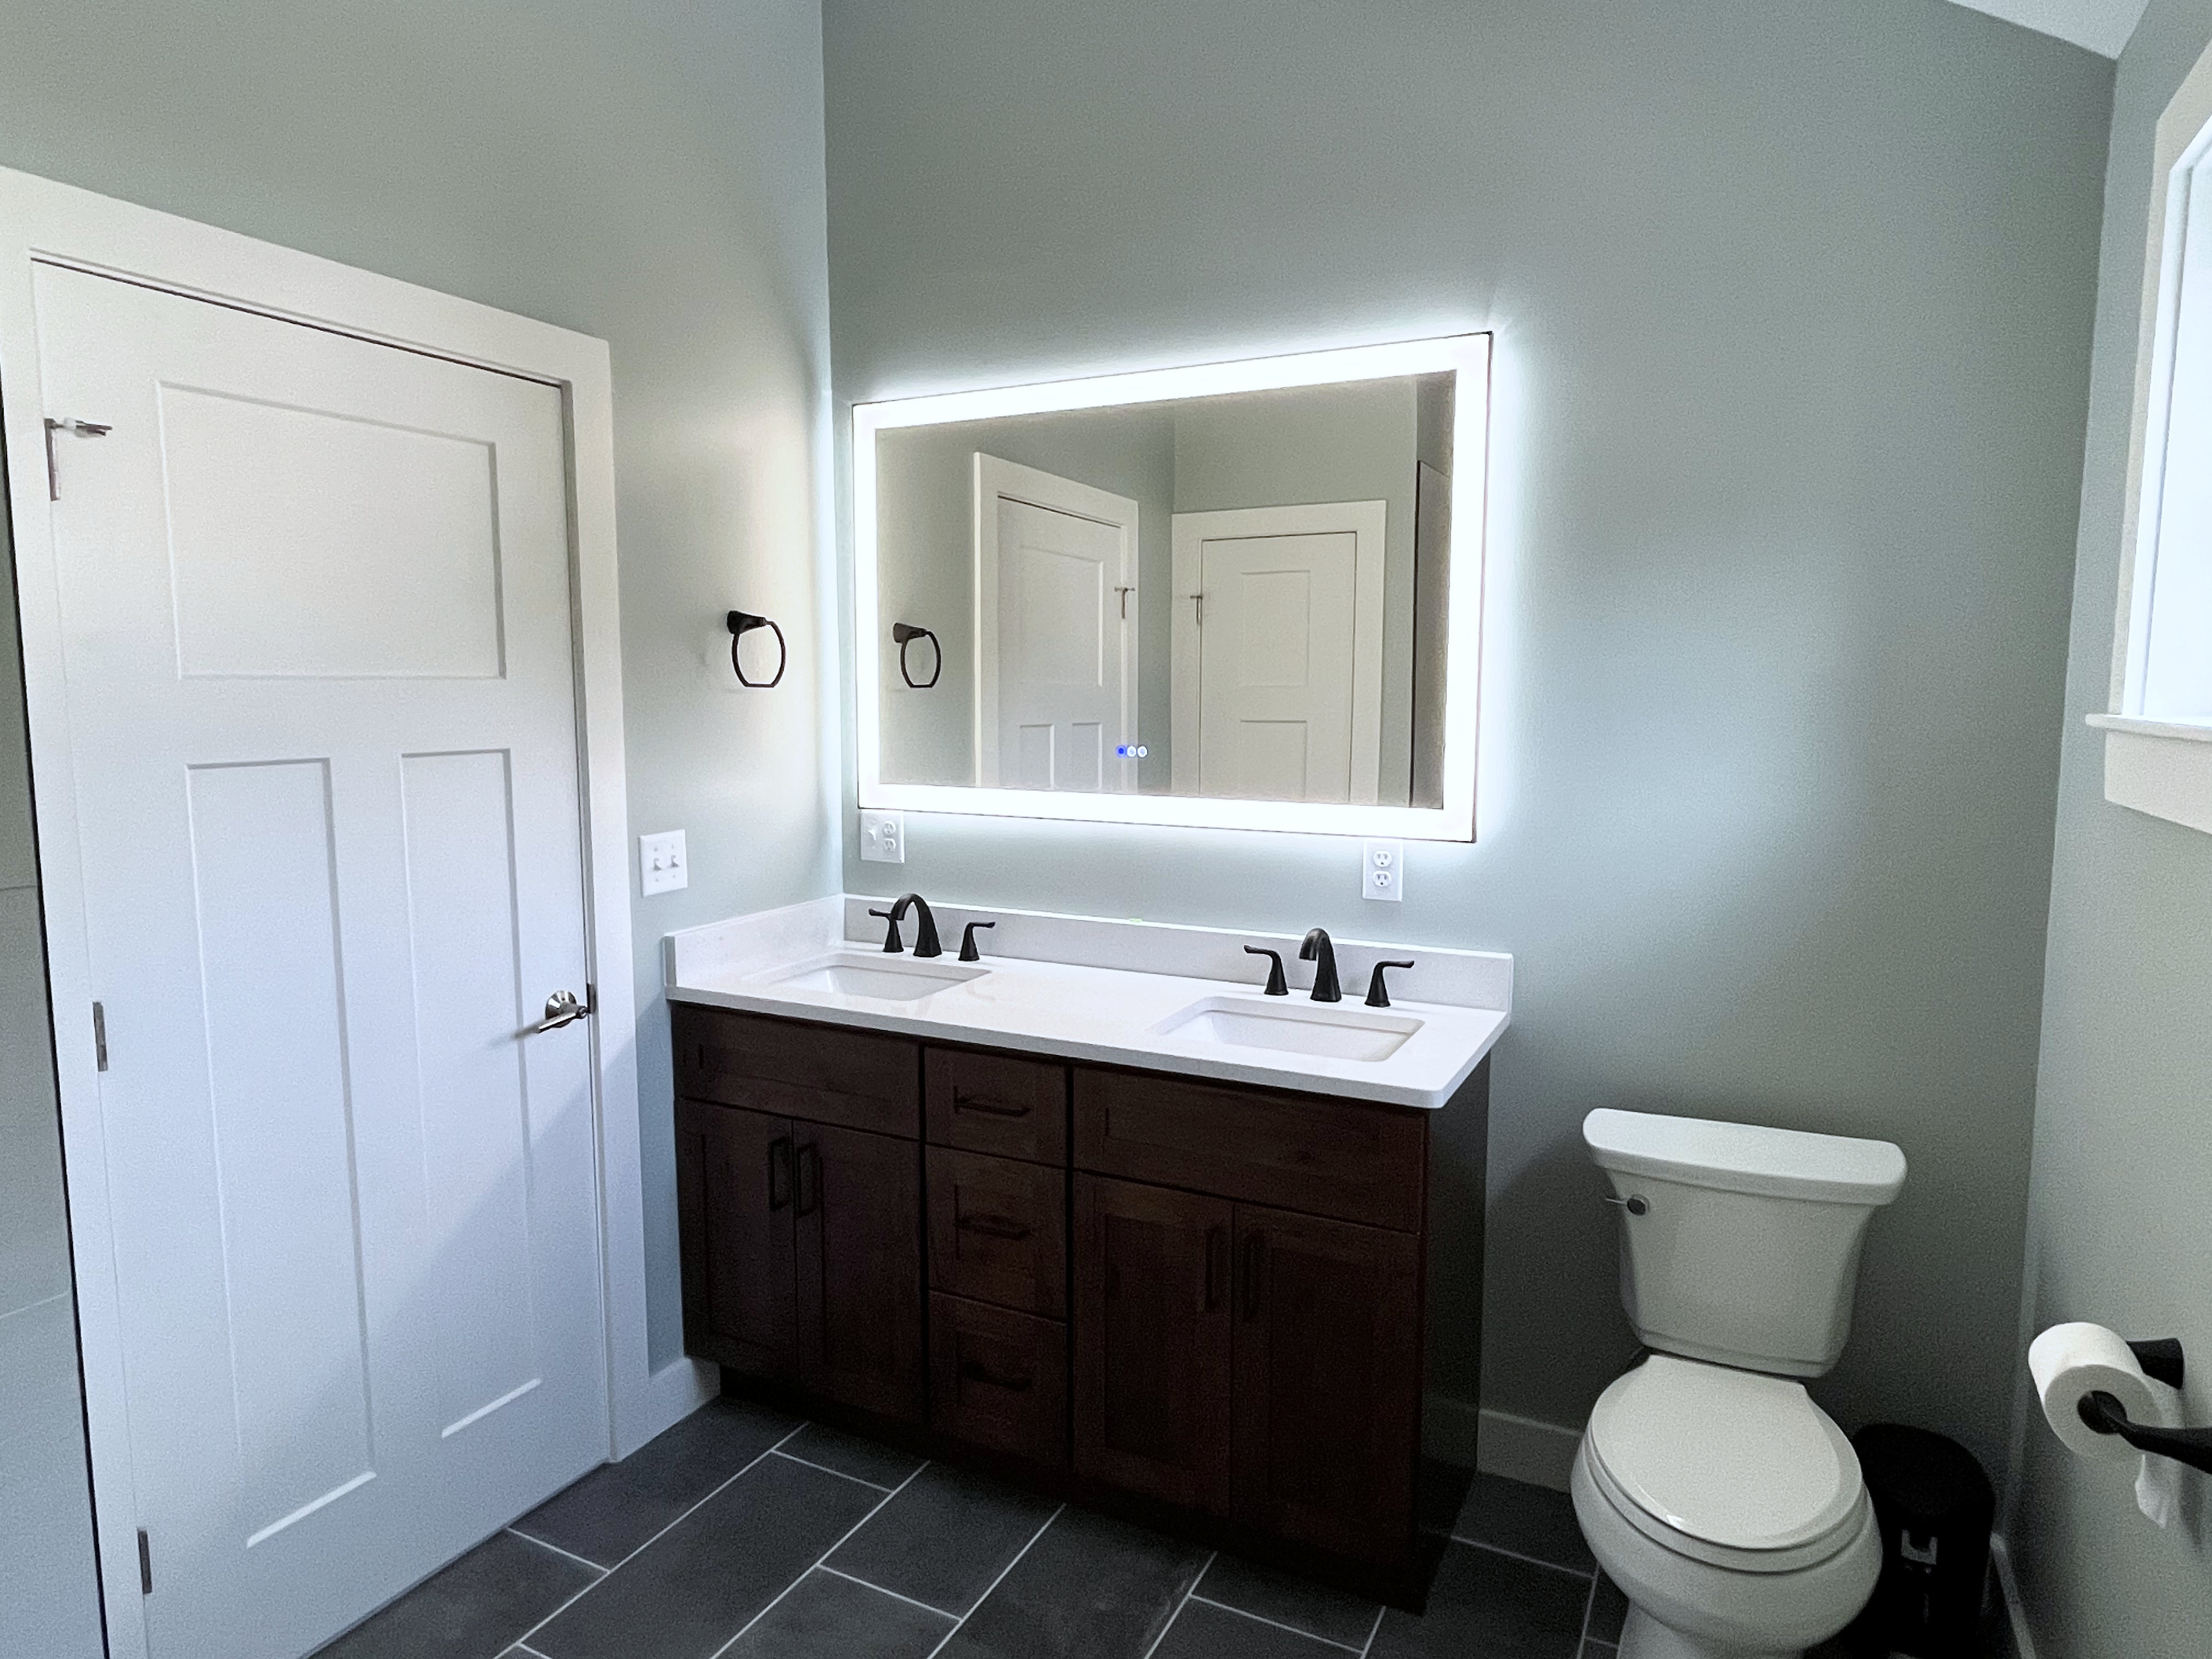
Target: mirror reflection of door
1055 631
1278 652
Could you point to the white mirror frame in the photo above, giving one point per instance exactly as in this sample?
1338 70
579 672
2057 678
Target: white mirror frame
1466 355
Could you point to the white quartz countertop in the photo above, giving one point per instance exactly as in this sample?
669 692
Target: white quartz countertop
1066 987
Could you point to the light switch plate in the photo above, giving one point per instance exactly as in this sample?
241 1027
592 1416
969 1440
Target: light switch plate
1382 870
662 866
883 837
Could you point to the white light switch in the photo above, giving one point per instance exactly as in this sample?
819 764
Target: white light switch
1382 870
661 865
883 837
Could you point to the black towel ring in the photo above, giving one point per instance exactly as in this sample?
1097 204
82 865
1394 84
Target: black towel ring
743 623
906 634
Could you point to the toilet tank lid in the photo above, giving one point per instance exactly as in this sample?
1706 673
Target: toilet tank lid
1746 1157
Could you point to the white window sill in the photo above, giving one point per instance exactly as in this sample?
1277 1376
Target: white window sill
2159 767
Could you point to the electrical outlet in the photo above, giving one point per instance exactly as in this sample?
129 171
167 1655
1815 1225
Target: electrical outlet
662 866
883 837
1382 870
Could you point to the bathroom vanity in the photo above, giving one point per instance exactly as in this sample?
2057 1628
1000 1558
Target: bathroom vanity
1190 1281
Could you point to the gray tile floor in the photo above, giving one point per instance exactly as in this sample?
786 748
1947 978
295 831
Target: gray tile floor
742 1533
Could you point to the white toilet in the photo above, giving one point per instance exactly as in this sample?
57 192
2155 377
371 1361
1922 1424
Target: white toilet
1725 1504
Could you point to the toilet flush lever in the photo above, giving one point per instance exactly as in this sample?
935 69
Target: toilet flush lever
1634 1204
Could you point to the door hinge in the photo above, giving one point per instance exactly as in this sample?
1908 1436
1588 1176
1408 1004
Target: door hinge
100 1035
75 428
1125 592
145 1565
1198 609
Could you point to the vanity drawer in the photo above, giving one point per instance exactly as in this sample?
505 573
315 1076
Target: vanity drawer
998 1103
820 1073
1346 1160
999 1379
998 1231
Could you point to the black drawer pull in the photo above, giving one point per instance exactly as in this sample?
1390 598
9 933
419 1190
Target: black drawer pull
989 1108
779 1172
991 1226
974 1371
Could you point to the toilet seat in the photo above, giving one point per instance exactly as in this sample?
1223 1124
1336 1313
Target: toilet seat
1733 1468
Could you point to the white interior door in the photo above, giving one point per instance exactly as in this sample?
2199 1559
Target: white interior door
1278 652
315 606
1056 587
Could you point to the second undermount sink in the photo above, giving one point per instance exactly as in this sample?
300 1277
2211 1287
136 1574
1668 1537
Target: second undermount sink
1321 1029
864 974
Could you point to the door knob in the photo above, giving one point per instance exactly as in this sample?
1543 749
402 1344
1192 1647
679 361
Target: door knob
561 1008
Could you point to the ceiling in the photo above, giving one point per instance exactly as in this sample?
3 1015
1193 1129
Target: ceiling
2102 26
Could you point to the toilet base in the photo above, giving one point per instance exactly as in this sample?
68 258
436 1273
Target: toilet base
1644 1637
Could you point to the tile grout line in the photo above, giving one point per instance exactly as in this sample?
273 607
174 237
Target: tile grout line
823 1566
1211 1555
1273 1624
999 1580
1374 1628
580 1560
1589 1604
520 1647
1516 1555
873 1486
650 1542
872 1510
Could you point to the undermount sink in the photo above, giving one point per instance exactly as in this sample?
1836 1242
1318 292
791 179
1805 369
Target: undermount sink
886 978
1319 1029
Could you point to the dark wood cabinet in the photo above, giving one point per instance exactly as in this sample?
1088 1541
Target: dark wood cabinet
1131 1287
1152 1340
856 1210
1327 1382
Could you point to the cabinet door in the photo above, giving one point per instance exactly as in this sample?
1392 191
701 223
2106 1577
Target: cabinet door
1328 1382
857 1204
1152 1340
734 1187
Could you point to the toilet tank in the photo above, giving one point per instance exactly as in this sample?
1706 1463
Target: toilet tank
1744 1250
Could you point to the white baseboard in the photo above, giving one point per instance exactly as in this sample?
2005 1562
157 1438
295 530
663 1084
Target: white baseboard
2023 1640
1498 1443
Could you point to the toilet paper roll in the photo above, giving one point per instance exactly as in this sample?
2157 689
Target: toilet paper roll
2070 1362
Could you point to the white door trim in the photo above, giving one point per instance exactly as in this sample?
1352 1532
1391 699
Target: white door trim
995 478
1191 532
41 221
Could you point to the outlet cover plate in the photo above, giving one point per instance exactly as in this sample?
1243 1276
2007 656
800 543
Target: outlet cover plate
1382 870
662 864
883 837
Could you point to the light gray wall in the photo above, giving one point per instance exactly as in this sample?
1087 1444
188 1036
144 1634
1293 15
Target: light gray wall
650 173
1793 303
2116 1228
49 1592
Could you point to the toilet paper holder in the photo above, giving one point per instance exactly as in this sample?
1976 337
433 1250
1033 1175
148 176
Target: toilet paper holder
2162 1359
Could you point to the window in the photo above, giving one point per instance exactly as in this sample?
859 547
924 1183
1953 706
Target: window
2158 743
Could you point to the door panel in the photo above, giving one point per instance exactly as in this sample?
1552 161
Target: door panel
314 597
857 1209
1328 1381
1152 1340
735 1174
1276 658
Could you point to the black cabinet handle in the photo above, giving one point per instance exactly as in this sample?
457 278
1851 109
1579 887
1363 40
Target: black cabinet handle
991 1226
810 1179
1255 1255
974 1371
779 1172
1216 1255
989 1108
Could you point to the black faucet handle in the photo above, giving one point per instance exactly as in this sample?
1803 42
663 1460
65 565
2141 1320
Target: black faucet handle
1378 995
892 943
968 950
1277 985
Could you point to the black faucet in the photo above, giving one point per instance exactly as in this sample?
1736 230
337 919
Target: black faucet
925 933
1317 950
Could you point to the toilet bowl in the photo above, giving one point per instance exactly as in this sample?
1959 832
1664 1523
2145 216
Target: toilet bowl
1726 1506
1729 1510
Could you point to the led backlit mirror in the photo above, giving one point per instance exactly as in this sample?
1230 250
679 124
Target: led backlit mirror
1247 594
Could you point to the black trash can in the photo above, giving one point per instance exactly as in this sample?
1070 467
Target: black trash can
1934 1507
